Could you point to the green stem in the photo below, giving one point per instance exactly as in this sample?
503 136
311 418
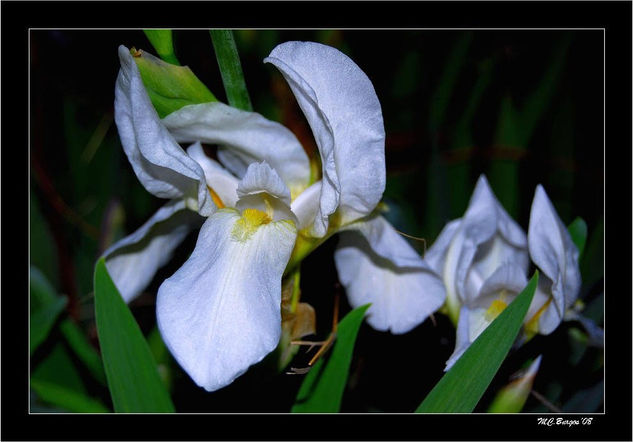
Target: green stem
230 68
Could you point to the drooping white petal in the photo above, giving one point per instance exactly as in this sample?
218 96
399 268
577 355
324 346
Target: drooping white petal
160 164
375 264
244 138
223 183
220 312
133 261
554 253
262 189
342 108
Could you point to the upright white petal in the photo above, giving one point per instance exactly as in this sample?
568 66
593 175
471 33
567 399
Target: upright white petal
484 218
133 261
344 113
554 253
244 138
220 312
223 183
375 264
160 164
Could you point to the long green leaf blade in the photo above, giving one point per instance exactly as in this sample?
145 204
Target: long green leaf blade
133 378
462 387
322 389
66 398
162 41
46 306
82 348
230 68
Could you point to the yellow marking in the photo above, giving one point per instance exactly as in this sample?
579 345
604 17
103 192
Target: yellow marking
495 309
248 223
216 199
269 206
531 327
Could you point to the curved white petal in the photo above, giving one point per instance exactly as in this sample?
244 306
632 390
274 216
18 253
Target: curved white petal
375 264
244 138
220 312
133 261
223 183
342 108
160 164
435 256
553 251
306 205
260 177
262 189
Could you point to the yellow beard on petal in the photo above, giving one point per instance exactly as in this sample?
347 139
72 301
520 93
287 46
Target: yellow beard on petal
495 309
248 223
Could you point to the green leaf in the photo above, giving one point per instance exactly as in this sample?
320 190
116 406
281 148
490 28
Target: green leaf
230 68
82 348
162 41
43 251
66 398
322 389
59 368
46 306
170 87
133 379
578 231
462 387
42 322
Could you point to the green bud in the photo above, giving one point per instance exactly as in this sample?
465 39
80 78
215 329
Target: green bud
170 87
162 42
512 397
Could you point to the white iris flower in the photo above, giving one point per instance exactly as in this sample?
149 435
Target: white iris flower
220 312
484 259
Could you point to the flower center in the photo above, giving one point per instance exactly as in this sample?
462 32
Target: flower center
495 309
248 223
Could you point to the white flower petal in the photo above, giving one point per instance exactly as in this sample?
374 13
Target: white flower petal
505 283
220 312
435 256
306 205
262 189
375 264
462 341
484 218
223 183
244 138
553 252
133 261
344 113
160 164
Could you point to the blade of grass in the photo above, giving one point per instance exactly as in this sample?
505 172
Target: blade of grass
462 387
133 378
322 389
230 68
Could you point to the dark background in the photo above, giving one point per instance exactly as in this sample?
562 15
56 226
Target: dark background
61 72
